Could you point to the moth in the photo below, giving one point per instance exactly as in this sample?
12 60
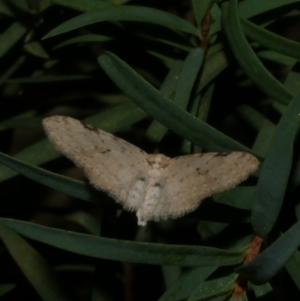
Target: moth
155 186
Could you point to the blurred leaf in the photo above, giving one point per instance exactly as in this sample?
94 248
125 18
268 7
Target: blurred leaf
85 220
187 77
213 66
221 286
33 265
264 292
248 9
247 58
267 264
11 69
36 49
264 138
200 9
46 79
83 5
277 58
251 116
84 39
121 250
186 283
275 171
11 36
156 130
126 13
293 268
75 188
163 110
252 8
271 40
6 287
112 120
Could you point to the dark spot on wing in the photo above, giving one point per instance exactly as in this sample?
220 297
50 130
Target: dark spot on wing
89 127
142 179
201 172
156 184
224 154
105 151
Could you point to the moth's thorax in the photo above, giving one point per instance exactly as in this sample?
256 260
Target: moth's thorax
157 163
153 192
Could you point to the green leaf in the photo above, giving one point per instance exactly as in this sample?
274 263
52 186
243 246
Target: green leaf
83 5
267 264
5 288
126 13
164 110
11 36
121 250
46 79
293 267
277 57
252 8
187 77
186 283
156 130
112 120
33 265
270 40
84 39
264 292
275 171
247 58
220 286
75 188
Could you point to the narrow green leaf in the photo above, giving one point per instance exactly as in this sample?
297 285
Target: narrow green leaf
267 264
200 9
11 69
186 283
220 286
84 39
187 77
252 117
270 40
213 66
164 110
156 130
247 58
75 188
6 287
83 5
121 250
11 36
35 48
264 292
293 268
248 9
33 266
46 79
252 8
126 13
275 171
277 58
264 138
112 120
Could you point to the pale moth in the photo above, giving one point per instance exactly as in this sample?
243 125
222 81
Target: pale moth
154 186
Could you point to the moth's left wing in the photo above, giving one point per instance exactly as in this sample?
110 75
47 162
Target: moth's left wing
110 163
192 178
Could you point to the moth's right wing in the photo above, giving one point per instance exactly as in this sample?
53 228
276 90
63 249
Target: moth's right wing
110 163
192 178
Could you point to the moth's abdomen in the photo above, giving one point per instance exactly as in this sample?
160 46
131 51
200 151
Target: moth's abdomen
136 193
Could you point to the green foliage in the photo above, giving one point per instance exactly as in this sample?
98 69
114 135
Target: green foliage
174 78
